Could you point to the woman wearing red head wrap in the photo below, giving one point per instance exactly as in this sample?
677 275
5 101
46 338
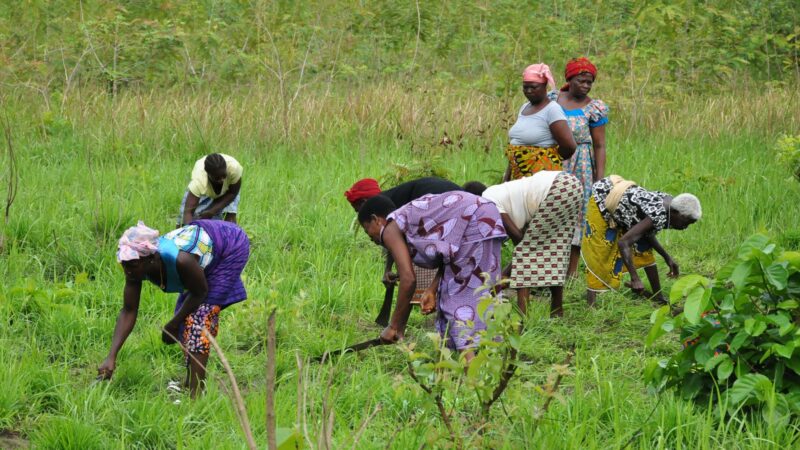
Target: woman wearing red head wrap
586 118
540 139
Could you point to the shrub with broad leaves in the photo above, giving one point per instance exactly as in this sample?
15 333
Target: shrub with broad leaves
789 153
739 332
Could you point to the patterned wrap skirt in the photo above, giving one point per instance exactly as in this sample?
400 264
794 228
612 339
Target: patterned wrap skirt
542 257
194 341
582 166
600 252
526 160
424 279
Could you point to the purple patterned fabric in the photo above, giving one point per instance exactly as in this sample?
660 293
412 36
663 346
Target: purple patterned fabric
231 251
464 233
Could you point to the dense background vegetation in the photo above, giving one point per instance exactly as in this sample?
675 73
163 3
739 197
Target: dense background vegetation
643 45
107 105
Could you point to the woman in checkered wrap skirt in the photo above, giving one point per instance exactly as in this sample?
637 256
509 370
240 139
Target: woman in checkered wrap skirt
539 213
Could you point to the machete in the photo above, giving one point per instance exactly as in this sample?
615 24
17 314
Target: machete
327 356
386 308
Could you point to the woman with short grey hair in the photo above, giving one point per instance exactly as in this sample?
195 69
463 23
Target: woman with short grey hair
622 220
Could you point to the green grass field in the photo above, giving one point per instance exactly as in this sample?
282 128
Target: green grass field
90 169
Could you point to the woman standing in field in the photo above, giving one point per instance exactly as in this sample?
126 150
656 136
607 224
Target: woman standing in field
213 192
540 139
202 261
457 233
622 220
539 215
587 118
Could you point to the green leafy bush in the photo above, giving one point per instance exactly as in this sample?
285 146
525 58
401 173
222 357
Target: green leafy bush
789 153
739 333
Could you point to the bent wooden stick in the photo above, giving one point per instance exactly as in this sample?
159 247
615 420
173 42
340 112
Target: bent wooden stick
327 356
248 433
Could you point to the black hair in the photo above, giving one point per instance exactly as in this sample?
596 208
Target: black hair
474 187
380 205
215 161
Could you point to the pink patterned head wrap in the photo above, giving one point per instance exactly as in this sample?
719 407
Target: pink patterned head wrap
538 73
137 242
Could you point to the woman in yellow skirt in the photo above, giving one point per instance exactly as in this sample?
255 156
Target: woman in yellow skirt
540 139
622 220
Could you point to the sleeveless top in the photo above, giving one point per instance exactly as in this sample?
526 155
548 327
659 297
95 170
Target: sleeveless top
190 239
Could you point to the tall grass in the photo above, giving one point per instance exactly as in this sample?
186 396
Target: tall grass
91 169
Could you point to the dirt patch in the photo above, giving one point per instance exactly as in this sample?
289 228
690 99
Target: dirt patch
11 440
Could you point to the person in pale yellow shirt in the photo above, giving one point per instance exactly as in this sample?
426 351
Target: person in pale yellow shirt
213 191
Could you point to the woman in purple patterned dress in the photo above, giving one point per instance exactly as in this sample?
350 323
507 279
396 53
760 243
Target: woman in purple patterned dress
458 233
587 118
203 261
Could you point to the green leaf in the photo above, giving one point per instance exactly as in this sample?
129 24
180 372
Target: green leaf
724 369
754 326
473 372
739 340
711 363
749 387
658 317
793 258
684 285
694 305
777 275
717 338
741 273
783 321
748 325
756 241
654 371
727 303
515 341
725 272
776 413
788 304
793 398
703 353
288 439
448 364
784 350
483 305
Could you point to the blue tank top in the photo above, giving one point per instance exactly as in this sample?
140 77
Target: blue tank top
169 257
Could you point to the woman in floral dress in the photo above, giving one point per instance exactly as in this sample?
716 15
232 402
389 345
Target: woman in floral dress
587 118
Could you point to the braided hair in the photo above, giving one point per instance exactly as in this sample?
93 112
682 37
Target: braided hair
214 162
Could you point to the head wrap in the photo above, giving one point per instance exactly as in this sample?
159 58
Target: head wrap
137 242
577 66
538 73
362 190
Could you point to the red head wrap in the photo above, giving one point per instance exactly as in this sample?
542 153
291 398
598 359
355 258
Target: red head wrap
362 190
577 66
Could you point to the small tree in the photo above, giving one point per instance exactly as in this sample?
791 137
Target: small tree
443 374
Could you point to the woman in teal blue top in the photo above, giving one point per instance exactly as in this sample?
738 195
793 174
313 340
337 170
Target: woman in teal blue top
203 262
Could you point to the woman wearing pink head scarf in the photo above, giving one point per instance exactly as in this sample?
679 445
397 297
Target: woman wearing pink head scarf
540 139
203 263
